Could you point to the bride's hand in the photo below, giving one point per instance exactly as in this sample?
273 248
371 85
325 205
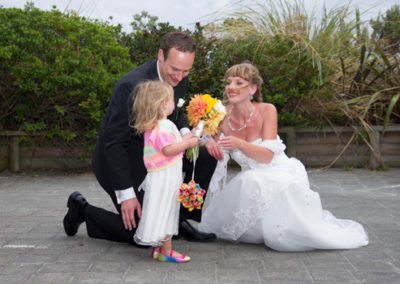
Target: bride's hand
230 142
214 149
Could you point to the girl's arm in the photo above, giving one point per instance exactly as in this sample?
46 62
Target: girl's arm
176 148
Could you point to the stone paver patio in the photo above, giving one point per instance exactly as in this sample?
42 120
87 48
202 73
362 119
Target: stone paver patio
35 249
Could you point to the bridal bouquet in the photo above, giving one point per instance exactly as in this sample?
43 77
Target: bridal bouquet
206 108
191 195
204 113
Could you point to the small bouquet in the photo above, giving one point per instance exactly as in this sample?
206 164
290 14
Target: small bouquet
204 113
191 195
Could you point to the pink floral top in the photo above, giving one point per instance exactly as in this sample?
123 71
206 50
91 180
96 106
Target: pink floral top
164 134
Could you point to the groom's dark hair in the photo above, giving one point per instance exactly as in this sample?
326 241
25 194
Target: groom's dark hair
178 40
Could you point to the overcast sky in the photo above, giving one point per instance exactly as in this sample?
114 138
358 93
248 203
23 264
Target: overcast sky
183 13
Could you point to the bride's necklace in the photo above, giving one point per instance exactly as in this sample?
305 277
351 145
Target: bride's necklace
244 126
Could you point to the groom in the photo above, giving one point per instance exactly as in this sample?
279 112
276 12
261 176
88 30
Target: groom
118 157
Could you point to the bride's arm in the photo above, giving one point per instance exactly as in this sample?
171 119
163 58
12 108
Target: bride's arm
269 132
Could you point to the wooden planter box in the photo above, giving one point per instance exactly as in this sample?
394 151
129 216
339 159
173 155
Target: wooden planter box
314 147
17 155
344 146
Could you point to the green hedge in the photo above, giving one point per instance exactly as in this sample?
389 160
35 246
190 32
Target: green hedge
57 72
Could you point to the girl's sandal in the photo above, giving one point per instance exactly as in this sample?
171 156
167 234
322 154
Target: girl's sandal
155 252
169 258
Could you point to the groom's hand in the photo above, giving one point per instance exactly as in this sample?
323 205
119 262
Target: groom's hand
128 208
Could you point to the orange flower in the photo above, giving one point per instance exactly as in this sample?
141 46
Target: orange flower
196 110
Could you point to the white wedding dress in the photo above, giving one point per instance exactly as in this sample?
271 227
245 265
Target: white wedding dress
273 204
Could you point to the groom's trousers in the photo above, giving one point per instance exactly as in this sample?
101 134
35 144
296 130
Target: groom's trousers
103 224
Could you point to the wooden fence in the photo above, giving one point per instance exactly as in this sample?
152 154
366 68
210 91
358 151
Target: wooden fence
336 147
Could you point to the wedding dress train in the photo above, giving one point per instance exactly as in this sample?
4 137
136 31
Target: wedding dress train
273 204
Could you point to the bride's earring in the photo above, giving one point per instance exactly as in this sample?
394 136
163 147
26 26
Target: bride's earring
253 90
251 97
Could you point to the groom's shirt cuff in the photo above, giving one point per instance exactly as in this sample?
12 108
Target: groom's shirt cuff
125 194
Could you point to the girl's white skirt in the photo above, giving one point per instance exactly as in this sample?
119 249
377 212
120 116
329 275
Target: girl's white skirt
160 209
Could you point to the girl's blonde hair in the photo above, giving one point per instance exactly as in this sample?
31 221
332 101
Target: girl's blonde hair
147 106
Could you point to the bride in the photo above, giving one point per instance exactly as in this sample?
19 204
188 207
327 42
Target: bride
270 200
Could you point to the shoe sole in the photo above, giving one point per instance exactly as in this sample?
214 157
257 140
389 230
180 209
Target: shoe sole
69 234
171 259
69 203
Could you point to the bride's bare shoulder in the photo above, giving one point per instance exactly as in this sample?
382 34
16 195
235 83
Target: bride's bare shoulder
267 109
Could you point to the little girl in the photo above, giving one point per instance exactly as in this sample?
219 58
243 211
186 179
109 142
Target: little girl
162 155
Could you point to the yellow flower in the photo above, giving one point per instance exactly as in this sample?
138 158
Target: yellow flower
210 102
212 122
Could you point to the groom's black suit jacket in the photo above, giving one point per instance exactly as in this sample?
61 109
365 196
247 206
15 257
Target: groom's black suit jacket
118 156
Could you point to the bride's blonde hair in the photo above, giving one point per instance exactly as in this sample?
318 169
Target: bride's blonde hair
248 72
147 106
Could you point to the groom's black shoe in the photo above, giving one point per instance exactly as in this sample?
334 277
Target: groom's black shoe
192 235
74 217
